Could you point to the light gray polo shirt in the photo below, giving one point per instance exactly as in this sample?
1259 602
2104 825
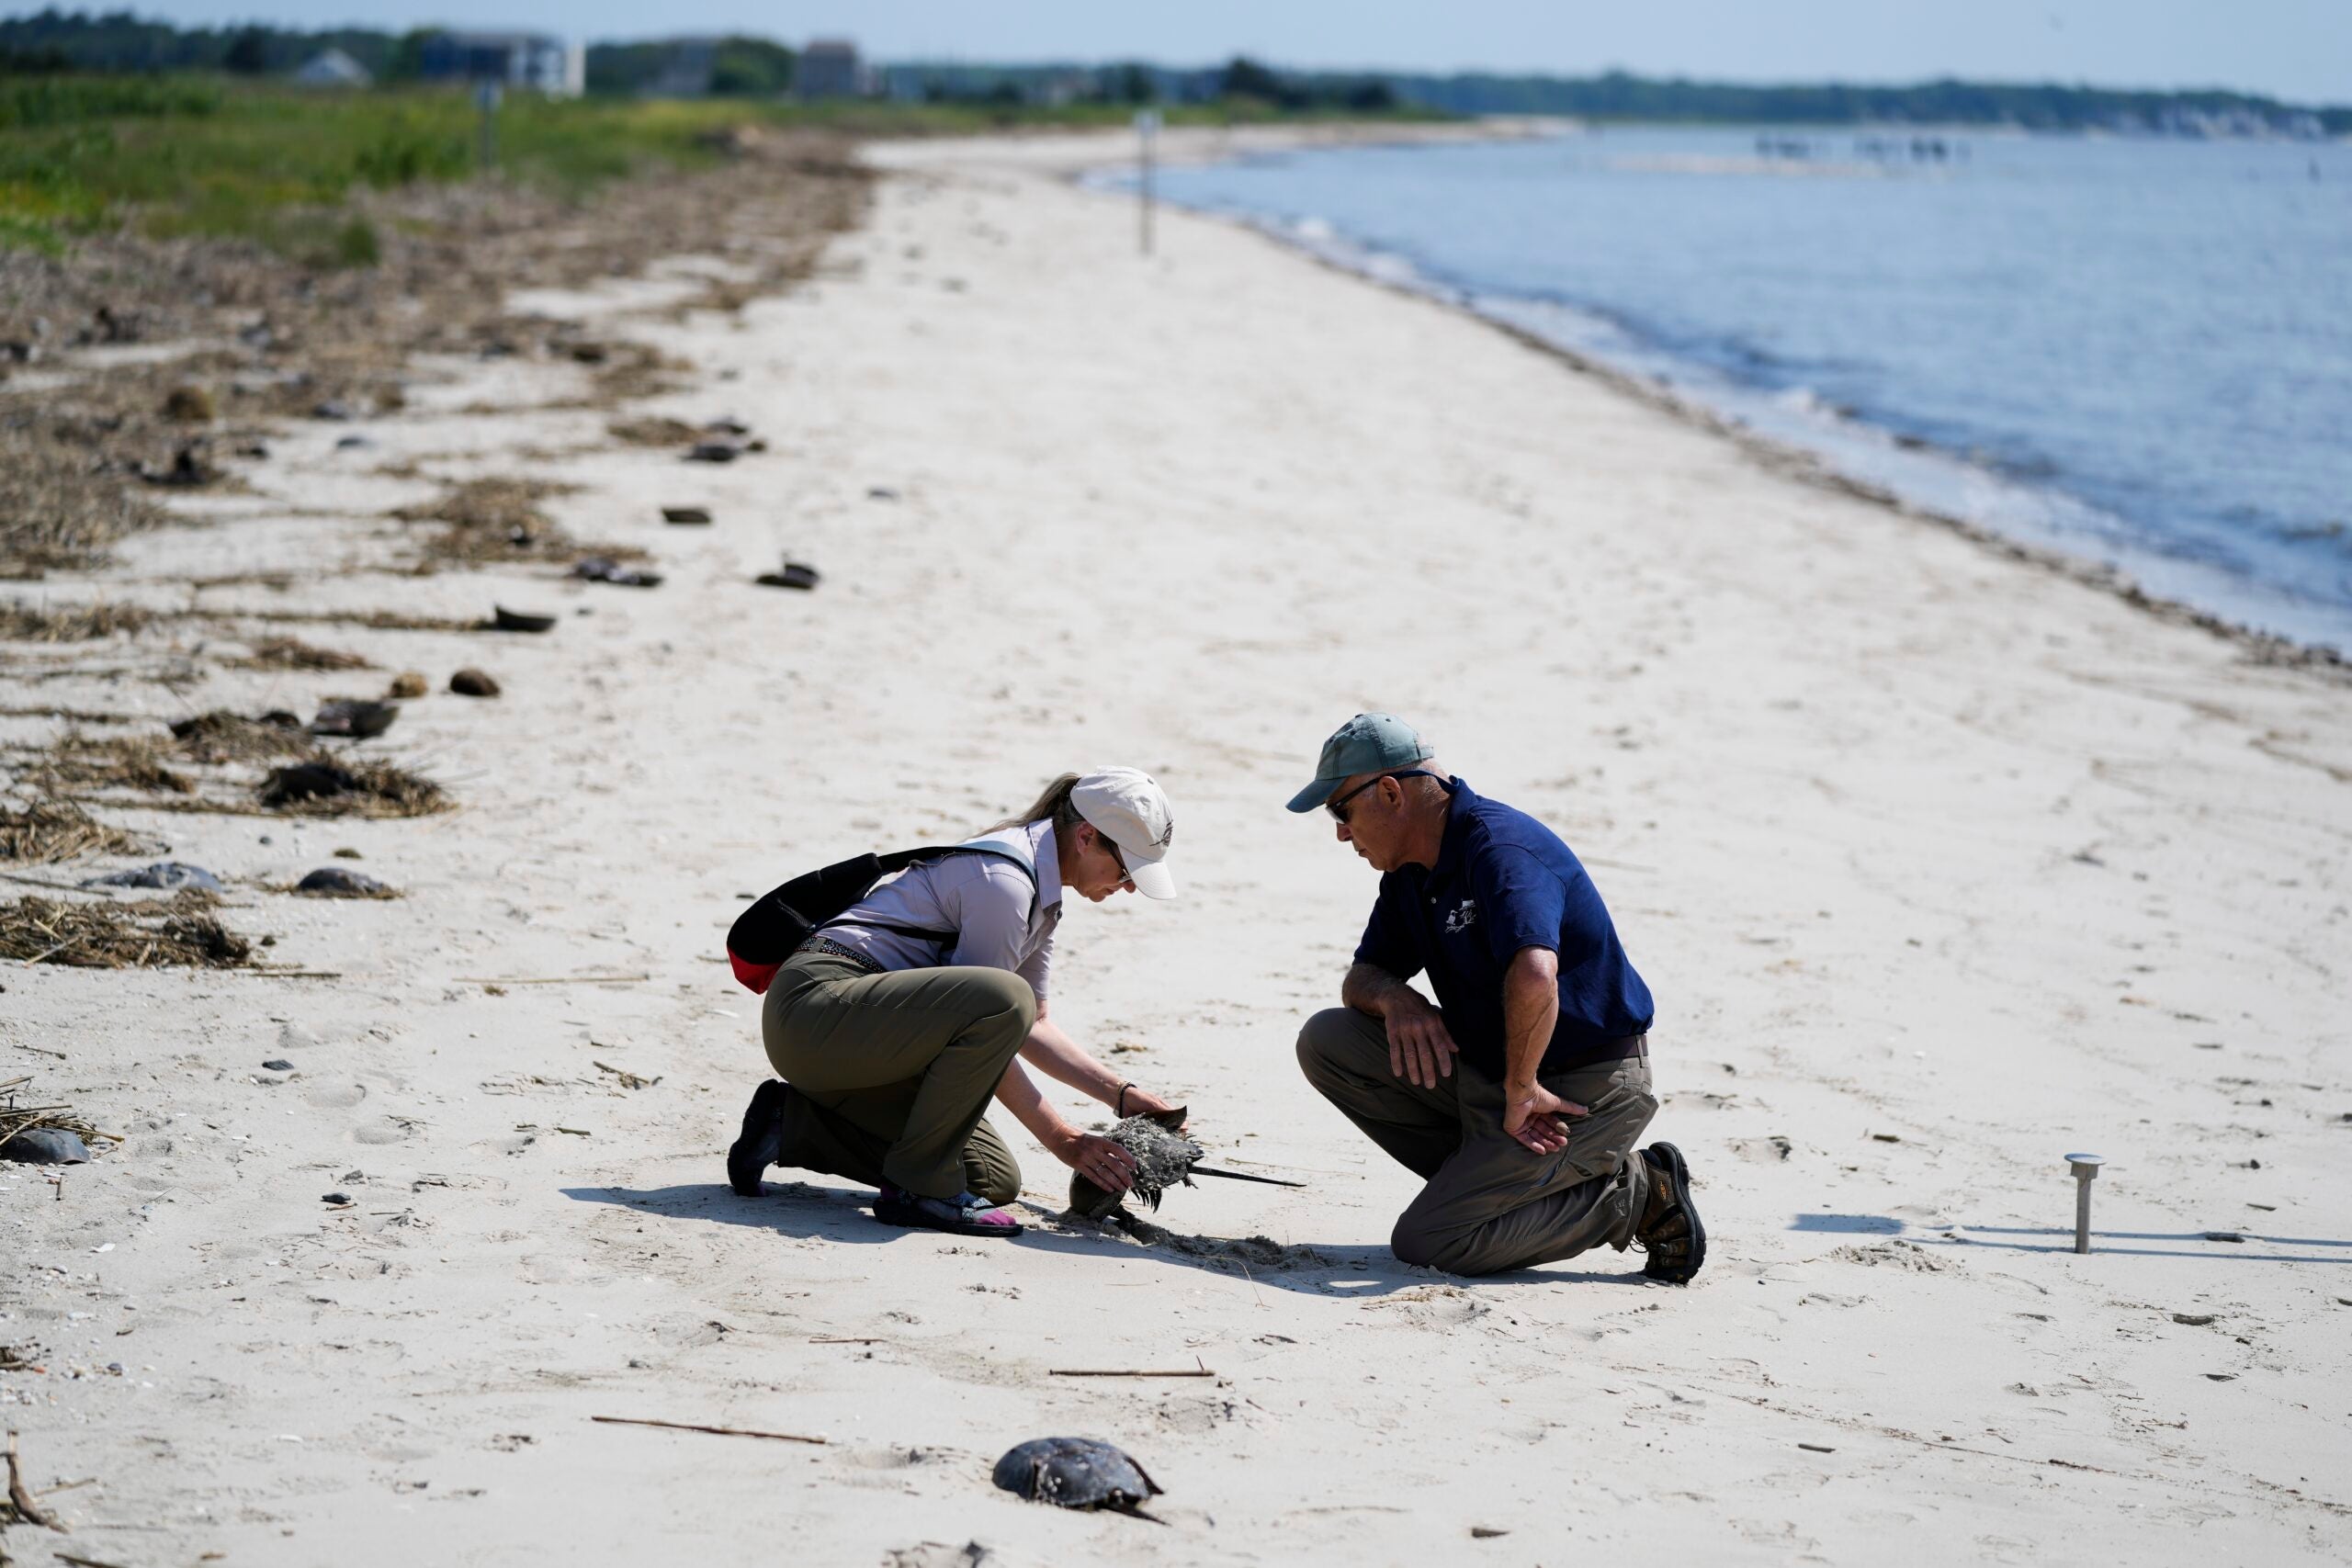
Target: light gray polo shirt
1000 921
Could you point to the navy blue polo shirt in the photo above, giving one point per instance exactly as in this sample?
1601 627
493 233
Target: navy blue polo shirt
1504 882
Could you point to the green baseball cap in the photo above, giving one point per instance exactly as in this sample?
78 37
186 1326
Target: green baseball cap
1368 744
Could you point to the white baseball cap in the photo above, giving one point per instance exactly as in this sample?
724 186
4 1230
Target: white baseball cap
1128 808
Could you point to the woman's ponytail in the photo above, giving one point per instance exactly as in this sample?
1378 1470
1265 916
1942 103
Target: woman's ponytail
1053 806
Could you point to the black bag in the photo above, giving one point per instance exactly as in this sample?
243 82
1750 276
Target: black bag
765 935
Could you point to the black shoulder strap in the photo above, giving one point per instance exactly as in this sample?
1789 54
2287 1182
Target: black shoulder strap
900 860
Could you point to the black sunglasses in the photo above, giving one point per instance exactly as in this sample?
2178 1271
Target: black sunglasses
1117 859
1340 816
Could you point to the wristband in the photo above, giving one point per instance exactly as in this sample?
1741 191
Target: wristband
1120 1105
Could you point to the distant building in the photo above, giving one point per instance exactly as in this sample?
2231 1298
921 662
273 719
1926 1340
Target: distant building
535 61
688 76
332 68
830 68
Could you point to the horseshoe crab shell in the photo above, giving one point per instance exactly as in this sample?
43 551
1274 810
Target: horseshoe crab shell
1074 1472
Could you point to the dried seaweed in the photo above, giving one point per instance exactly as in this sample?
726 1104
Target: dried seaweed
16 1118
351 787
76 716
55 830
221 736
371 620
77 761
20 622
293 653
491 520
292 339
653 430
59 507
177 932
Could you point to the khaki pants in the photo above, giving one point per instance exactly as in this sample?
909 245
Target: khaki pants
1490 1203
890 1072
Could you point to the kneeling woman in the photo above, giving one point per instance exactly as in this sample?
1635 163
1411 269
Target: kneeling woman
893 1025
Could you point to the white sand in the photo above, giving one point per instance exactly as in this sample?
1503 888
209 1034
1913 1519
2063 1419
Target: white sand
1940 865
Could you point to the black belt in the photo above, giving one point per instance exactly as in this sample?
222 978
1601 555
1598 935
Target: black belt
826 947
1623 1048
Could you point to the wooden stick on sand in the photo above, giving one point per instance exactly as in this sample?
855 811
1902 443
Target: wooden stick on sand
553 980
696 1427
1124 1372
22 1500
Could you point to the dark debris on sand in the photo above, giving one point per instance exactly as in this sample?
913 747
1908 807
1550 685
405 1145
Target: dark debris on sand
221 736
351 787
180 932
56 829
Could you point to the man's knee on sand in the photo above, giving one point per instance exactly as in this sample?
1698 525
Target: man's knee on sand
1323 1041
1450 1250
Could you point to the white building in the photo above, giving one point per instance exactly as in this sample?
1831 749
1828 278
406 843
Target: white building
333 68
830 68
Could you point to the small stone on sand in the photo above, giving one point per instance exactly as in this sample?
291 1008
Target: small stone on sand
472 682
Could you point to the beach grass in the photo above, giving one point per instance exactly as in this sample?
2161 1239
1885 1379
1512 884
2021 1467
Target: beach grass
175 156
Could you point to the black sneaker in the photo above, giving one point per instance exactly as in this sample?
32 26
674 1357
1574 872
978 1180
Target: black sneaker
762 1140
1675 1240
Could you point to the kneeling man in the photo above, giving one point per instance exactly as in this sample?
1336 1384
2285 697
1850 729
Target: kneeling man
1519 1097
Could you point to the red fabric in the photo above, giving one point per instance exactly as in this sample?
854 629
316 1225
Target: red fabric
756 978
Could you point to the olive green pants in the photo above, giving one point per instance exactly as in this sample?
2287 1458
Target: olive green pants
890 1073
1490 1203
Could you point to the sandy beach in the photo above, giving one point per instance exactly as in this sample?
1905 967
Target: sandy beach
1941 865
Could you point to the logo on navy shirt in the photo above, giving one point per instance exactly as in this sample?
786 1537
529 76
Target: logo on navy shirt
1461 917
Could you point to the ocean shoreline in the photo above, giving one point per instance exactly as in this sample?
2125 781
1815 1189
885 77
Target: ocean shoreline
1785 456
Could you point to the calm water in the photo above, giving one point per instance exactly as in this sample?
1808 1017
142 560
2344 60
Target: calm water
2136 351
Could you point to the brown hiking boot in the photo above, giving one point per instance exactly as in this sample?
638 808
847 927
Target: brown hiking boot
1670 1232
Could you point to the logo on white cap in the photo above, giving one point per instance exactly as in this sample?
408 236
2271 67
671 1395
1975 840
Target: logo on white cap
1128 807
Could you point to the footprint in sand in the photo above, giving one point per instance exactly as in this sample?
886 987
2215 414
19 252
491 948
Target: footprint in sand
336 1097
384 1132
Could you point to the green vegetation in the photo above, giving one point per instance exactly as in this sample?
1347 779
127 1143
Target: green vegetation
214 155
182 156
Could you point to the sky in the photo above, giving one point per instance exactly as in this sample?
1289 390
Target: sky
2297 49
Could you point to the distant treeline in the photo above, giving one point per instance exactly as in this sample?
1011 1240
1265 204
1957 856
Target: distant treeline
1620 97
54 42
735 66
118 42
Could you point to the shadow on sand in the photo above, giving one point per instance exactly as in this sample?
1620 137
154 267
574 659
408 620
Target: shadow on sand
798 1209
2224 1245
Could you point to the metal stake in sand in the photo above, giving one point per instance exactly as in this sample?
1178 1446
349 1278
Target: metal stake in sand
2086 1168
1147 127
486 97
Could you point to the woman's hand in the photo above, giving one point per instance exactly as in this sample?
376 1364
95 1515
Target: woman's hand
1098 1159
1136 1101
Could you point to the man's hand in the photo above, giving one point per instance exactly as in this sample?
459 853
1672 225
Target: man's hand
1419 1050
1537 1117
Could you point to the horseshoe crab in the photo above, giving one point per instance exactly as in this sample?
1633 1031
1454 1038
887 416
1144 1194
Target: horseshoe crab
1076 1472
1164 1159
